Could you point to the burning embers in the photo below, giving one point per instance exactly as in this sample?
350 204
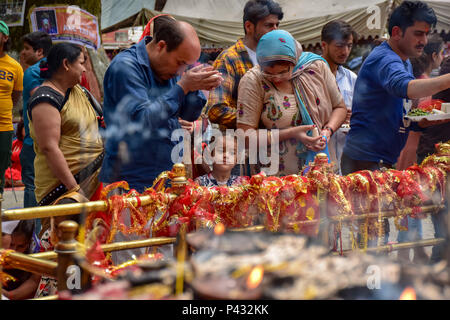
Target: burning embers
219 229
255 278
249 265
408 294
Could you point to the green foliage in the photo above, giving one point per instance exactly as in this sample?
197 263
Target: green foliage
92 6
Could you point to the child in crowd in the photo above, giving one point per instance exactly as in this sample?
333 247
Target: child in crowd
7 229
224 154
25 285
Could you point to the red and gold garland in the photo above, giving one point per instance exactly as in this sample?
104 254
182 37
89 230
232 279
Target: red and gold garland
290 203
283 203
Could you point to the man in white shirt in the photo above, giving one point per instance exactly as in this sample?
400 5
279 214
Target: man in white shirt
338 38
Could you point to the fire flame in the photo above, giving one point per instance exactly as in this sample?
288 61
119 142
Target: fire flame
408 294
255 278
219 229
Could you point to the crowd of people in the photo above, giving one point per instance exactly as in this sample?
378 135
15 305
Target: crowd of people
265 82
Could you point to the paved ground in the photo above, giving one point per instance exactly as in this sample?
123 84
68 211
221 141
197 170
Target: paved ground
10 200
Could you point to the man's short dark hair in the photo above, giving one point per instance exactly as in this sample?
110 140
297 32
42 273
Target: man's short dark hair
7 45
409 12
338 30
39 40
256 10
169 31
25 227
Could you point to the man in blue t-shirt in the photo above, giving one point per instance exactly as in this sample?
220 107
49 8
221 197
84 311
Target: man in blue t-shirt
36 46
384 86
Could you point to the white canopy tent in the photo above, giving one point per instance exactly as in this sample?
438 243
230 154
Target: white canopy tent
232 10
117 14
219 22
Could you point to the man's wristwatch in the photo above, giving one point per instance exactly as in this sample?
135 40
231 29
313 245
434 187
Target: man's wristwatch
331 130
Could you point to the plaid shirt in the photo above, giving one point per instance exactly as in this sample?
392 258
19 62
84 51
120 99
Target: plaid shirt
232 63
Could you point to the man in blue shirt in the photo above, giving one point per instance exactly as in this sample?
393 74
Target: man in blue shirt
145 95
385 83
36 46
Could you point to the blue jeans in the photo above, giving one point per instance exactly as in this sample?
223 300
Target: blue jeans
6 138
414 232
27 156
440 226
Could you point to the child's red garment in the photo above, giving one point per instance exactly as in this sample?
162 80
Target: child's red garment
16 168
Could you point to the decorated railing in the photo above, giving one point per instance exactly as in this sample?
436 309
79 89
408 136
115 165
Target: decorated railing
303 204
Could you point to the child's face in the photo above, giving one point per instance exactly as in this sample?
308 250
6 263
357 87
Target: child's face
6 241
19 243
225 156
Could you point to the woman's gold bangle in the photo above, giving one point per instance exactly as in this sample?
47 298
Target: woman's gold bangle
74 189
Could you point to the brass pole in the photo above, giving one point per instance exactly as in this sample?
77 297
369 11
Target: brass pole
118 246
384 214
21 261
249 229
66 209
137 244
262 228
65 249
181 252
324 225
49 298
54 211
398 246
49 255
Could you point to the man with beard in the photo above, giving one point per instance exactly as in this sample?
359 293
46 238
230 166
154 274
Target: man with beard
378 128
260 17
384 86
338 38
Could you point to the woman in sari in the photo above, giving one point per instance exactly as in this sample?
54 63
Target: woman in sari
65 127
291 91
64 124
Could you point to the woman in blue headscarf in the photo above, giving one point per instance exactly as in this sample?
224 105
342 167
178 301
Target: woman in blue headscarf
291 91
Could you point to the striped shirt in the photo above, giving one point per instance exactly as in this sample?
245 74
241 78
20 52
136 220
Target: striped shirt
232 63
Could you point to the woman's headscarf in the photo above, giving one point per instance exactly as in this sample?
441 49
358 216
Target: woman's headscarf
150 27
279 45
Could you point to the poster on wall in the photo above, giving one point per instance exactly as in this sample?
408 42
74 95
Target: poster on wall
67 23
12 12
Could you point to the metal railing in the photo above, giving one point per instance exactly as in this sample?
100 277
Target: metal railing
65 250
